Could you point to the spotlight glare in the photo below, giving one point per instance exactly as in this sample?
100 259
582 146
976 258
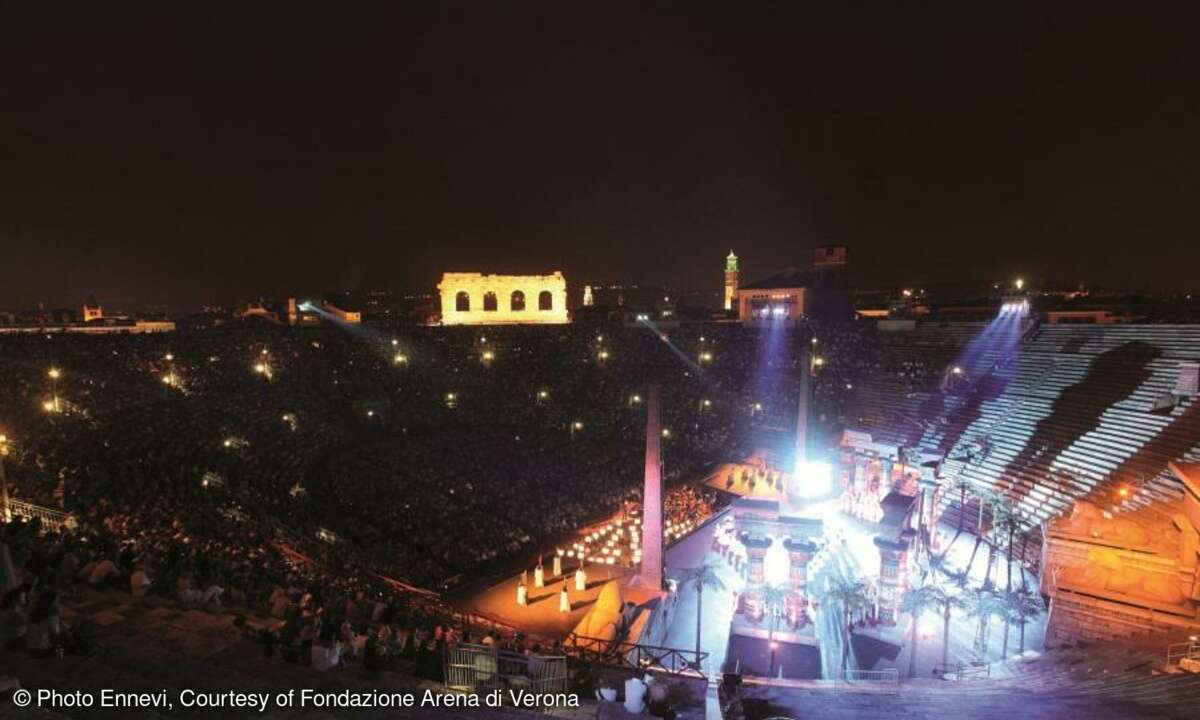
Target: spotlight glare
812 480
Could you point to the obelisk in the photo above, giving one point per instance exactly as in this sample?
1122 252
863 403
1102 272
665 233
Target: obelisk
651 575
798 469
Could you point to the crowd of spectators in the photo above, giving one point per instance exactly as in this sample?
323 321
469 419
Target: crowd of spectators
225 465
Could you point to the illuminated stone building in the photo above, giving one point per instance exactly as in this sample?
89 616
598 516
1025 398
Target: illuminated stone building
477 299
731 280
791 295
92 310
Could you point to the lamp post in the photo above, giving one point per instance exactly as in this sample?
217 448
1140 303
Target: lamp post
54 375
263 366
170 358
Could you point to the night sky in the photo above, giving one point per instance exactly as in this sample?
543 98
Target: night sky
186 152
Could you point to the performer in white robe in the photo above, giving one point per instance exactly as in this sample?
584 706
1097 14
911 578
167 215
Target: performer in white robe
539 575
522 594
564 602
557 565
580 579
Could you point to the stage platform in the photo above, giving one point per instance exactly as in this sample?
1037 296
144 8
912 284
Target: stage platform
762 490
541 616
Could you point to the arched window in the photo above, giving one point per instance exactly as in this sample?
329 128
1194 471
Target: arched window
462 301
489 301
545 300
516 302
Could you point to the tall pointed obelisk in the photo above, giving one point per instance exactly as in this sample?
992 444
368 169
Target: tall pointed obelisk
798 470
651 575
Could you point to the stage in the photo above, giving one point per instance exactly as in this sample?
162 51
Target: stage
541 617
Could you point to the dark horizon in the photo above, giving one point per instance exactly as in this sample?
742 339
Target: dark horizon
180 155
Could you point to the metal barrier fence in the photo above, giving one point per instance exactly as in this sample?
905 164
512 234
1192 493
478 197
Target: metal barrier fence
51 519
672 661
481 668
962 671
1189 650
888 678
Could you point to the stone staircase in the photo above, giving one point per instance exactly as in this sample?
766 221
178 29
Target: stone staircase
1083 681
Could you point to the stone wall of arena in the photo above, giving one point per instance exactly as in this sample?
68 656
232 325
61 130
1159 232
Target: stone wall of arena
477 299
1075 616
1121 575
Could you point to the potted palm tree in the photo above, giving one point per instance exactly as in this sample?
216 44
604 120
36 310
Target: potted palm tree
915 602
703 576
1024 604
983 606
948 601
852 596
774 598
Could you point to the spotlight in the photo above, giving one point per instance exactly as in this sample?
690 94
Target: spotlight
812 479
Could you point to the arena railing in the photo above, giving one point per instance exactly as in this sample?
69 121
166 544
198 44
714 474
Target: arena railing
962 671
1189 650
480 668
55 520
652 658
887 678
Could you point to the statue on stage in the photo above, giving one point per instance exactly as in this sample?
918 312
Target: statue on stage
564 602
539 574
580 579
522 592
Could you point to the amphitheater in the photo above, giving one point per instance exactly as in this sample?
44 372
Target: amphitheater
1093 435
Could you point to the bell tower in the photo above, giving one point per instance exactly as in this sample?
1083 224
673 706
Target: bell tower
731 279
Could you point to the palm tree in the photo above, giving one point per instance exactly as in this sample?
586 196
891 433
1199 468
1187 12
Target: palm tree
702 576
1002 517
916 601
774 598
852 595
1024 605
1012 524
1021 560
963 487
985 499
948 601
984 605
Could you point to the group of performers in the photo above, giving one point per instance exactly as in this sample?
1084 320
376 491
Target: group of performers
539 580
753 473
